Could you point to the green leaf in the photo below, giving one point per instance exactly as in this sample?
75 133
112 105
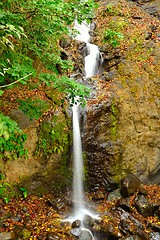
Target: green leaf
6 200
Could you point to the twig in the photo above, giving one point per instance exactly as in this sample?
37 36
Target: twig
16 81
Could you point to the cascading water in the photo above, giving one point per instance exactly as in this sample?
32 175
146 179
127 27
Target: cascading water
91 68
78 189
93 60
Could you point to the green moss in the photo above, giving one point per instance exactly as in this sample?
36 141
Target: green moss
26 233
33 108
54 137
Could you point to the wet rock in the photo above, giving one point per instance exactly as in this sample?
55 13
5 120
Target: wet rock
133 237
64 43
75 232
88 222
130 225
7 236
154 236
115 195
76 224
85 234
130 185
143 206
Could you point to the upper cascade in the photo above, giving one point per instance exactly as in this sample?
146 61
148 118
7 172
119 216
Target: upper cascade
93 60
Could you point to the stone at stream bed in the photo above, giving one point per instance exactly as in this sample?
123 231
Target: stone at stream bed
154 236
85 235
133 237
7 236
76 224
75 232
88 222
130 185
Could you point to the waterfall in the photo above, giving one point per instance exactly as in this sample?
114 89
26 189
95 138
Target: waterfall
93 60
91 68
78 189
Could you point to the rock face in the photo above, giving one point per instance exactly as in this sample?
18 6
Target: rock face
122 117
48 144
123 120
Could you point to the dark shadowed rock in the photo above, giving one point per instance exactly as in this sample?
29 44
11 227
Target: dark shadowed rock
130 185
76 224
143 206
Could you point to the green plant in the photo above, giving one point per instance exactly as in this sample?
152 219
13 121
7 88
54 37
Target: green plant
112 37
111 10
118 25
32 30
4 189
24 192
12 139
33 108
67 85
54 137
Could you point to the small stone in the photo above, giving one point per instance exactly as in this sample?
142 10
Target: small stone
7 236
130 185
75 232
115 195
76 224
133 237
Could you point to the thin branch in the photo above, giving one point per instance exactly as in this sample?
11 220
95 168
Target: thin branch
16 81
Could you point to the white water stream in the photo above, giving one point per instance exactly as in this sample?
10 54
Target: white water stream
91 68
93 59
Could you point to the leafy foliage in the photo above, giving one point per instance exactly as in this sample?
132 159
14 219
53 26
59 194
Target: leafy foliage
33 108
24 191
11 139
32 29
53 138
68 86
112 37
5 188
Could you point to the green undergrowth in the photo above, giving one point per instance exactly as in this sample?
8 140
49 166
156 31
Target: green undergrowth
53 137
8 190
12 139
33 108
